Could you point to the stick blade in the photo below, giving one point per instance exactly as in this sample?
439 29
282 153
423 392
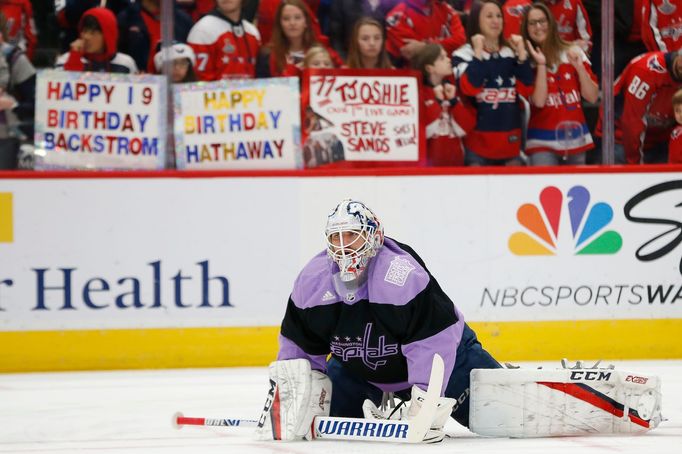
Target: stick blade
421 423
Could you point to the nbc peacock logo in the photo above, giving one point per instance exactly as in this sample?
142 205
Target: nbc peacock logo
557 213
6 222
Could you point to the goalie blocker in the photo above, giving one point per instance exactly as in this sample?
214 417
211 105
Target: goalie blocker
542 403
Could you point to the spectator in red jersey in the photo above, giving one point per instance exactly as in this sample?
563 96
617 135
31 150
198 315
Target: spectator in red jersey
513 11
367 48
183 59
662 25
199 8
226 46
557 130
414 23
140 31
571 17
675 143
345 14
21 29
447 118
644 112
96 49
494 74
292 36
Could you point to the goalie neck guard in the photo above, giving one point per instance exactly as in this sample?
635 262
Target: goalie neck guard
354 235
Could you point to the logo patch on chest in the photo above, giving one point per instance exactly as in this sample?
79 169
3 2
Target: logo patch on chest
398 271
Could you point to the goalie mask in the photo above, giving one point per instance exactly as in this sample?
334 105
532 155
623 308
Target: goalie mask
354 235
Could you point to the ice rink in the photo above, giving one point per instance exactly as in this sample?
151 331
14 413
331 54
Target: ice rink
130 411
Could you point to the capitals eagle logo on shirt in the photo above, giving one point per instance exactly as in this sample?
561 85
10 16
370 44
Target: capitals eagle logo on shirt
517 11
654 65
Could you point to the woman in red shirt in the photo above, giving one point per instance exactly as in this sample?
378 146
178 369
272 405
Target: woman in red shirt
557 130
292 35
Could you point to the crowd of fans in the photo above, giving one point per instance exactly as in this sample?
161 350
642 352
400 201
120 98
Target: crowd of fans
504 82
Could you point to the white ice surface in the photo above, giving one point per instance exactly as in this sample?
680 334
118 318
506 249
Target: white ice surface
130 411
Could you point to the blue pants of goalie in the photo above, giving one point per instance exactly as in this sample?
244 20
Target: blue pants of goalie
350 391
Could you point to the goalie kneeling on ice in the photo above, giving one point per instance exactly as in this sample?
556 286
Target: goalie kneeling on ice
543 403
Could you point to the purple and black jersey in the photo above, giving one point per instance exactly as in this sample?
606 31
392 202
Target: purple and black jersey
386 331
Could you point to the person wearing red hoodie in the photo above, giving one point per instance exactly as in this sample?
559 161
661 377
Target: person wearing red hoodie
96 48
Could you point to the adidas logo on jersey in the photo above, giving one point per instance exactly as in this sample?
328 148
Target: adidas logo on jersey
328 296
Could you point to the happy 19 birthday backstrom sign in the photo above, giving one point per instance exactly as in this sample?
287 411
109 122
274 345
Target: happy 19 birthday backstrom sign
100 120
364 115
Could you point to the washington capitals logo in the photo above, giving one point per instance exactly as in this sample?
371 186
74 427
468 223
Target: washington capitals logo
653 64
517 11
359 347
666 7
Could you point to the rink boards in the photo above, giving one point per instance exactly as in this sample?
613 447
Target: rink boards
120 270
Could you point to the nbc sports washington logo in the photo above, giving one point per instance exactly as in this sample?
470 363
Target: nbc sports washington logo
587 221
6 222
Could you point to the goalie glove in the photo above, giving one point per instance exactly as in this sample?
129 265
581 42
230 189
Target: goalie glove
296 396
409 410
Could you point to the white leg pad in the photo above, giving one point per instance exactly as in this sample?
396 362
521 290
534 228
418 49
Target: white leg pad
525 403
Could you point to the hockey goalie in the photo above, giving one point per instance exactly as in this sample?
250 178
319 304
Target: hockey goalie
366 319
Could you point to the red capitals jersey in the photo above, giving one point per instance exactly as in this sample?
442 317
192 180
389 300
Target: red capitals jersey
446 123
645 90
572 20
435 22
224 49
21 29
560 125
675 146
662 25
513 11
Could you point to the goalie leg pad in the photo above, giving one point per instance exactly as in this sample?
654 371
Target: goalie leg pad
539 403
298 396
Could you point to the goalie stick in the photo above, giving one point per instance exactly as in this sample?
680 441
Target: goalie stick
325 427
356 429
180 420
